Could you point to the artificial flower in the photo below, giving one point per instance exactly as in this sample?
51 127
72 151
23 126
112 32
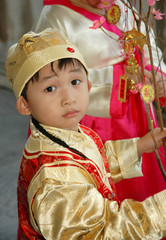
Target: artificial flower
158 15
150 2
123 54
105 4
137 88
98 23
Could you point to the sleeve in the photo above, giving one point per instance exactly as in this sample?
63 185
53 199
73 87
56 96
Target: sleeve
71 208
123 159
99 96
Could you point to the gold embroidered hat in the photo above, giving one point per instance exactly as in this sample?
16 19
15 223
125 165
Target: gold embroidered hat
34 51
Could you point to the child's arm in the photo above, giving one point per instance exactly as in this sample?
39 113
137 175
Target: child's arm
123 159
124 156
151 141
74 209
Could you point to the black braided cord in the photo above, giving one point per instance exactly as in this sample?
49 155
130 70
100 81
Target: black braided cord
55 139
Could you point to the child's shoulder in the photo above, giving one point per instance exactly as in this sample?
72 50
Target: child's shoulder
88 131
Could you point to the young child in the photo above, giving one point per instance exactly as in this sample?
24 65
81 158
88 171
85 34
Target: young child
65 189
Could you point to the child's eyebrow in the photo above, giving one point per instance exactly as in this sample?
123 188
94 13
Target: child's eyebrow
55 74
48 77
76 69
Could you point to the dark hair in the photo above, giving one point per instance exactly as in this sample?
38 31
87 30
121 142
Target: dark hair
62 63
24 91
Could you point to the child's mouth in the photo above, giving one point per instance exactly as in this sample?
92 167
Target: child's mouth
70 114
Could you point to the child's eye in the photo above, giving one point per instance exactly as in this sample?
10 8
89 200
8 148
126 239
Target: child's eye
50 89
75 82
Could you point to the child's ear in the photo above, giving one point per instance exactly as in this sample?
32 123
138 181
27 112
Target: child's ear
89 85
22 106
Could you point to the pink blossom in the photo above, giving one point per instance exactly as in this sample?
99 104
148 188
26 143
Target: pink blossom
105 4
158 15
98 23
150 2
137 88
123 54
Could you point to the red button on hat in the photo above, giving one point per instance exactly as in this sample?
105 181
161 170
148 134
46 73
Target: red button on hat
70 49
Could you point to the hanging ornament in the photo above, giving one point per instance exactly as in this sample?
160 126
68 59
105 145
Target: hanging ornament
137 38
134 88
132 85
113 14
122 88
147 92
129 47
132 64
131 40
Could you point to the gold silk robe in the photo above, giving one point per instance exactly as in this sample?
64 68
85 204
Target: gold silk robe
63 196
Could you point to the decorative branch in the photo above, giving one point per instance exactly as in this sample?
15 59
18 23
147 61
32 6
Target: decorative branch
131 8
140 13
131 40
156 94
160 164
146 20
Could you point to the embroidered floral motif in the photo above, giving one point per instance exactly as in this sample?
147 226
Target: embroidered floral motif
105 4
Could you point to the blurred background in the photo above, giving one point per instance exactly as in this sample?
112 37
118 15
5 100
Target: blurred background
16 18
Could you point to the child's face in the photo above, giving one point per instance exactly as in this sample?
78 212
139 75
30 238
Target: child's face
60 98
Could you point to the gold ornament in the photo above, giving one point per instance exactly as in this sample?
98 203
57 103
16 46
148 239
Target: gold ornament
129 47
113 14
134 38
132 65
147 92
132 84
131 40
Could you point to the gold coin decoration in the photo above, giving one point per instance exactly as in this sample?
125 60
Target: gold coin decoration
113 14
147 92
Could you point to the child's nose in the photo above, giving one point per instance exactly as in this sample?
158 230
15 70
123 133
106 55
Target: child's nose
67 97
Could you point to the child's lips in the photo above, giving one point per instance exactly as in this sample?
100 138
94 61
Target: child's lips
71 114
